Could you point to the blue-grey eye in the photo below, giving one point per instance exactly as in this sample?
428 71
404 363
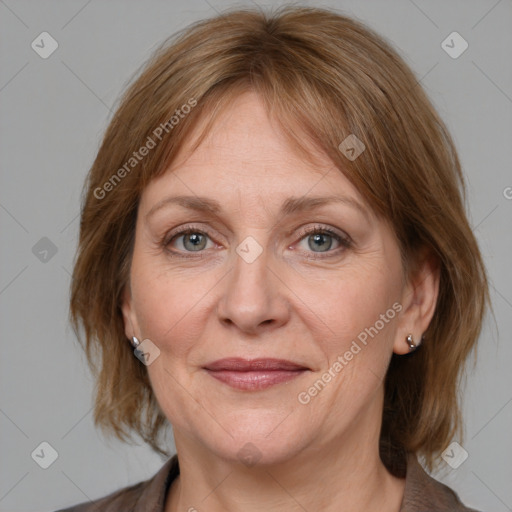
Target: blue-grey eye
320 241
194 241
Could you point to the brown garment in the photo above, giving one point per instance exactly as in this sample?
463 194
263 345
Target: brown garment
422 493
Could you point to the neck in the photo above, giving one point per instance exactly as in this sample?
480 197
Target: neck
344 473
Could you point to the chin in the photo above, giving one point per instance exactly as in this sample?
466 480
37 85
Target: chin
252 452
259 439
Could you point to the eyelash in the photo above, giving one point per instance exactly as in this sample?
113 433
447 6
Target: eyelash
344 241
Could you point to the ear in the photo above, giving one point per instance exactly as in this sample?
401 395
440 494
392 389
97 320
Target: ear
419 299
131 327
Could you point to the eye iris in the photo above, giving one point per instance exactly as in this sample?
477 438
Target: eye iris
197 240
319 238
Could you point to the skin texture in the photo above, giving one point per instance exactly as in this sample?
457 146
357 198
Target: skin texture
297 300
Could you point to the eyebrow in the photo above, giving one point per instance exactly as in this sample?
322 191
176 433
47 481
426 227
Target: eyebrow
289 206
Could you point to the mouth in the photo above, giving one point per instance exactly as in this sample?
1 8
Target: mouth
255 374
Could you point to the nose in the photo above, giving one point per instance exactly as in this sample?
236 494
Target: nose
254 298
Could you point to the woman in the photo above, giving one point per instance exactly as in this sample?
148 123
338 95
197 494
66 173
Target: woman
275 222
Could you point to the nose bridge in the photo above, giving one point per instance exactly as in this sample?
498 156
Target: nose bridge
252 296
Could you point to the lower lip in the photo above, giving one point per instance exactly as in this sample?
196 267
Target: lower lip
254 380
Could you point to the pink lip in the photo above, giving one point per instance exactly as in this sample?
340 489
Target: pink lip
255 374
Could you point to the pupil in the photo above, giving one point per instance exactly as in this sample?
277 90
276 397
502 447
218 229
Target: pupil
318 237
195 239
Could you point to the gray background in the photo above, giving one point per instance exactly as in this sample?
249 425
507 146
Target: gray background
53 113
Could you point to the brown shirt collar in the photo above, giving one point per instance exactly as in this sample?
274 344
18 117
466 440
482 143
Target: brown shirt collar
425 494
422 493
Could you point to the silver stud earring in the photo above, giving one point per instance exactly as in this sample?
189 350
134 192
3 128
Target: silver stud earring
410 341
135 342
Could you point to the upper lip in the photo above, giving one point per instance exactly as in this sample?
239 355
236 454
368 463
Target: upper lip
246 365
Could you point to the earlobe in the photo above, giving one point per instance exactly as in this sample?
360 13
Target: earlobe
413 344
419 301
407 344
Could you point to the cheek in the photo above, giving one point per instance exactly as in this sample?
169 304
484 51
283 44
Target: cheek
359 325
169 305
164 312
358 300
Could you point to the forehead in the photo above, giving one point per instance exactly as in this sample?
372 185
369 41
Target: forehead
246 154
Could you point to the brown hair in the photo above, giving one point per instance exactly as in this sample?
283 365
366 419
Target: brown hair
325 76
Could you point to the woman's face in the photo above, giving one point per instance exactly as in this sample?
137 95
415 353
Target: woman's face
251 281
